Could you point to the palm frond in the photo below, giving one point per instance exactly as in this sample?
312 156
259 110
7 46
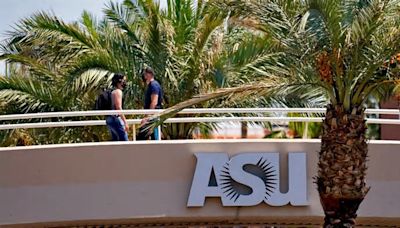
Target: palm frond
127 17
37 69
29 95
52 25
256 88
91 25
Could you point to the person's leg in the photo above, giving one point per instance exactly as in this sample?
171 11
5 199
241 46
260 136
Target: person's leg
120 128
112 128
114 135
152 132
155 134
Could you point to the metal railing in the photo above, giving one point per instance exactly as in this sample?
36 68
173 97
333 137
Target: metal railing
185 111
273 119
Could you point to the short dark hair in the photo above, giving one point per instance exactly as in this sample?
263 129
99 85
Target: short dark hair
147 70
117 78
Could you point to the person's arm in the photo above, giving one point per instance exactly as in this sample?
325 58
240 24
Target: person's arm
118 106
153 105
154 100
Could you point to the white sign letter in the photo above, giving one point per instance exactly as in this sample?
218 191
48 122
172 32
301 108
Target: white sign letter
206 164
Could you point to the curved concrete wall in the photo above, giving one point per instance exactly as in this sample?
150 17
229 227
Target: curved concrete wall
150 181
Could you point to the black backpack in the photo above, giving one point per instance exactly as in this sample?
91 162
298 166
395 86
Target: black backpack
103 100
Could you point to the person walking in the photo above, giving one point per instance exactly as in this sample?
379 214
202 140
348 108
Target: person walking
152 100
117 123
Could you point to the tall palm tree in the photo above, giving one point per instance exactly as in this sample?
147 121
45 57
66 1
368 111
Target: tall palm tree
342 47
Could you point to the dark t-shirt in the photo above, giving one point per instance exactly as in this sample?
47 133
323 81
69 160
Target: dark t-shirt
153 88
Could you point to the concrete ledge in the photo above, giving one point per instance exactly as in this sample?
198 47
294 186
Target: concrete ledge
149 182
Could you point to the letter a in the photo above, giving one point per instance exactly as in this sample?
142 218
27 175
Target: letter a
206 164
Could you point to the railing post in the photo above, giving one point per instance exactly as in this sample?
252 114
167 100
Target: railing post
159 132
134 132
305 131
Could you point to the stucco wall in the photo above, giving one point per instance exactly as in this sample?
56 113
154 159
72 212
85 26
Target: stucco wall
150 181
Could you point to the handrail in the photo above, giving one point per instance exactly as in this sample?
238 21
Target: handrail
185 111
279 120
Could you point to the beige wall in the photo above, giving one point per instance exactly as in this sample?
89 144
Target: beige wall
151 182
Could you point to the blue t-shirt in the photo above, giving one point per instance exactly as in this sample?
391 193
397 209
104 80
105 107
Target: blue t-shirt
153 88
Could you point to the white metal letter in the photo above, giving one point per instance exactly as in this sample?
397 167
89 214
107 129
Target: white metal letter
206 164
297 193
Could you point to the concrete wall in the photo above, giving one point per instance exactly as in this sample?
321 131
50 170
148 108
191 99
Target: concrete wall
148 182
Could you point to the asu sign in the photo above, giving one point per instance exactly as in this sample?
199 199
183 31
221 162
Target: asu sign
248 179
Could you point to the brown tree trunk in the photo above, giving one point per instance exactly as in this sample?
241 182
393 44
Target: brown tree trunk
244 129
342 166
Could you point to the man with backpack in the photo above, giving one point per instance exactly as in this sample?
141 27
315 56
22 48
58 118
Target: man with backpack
112 100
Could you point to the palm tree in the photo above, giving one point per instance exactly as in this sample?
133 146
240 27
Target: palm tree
342 48
190 46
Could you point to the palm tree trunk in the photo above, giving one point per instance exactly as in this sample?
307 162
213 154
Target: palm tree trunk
342 166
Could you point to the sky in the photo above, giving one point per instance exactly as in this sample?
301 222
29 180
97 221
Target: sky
11 11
